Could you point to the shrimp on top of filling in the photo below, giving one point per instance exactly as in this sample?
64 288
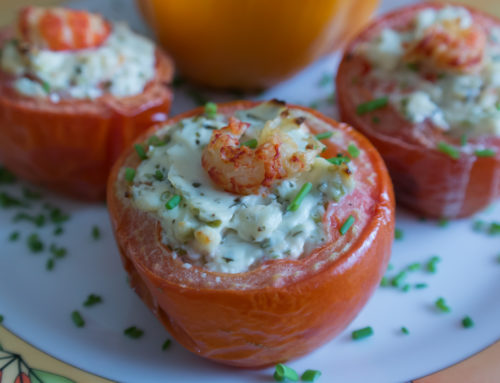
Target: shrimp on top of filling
442 68
234 191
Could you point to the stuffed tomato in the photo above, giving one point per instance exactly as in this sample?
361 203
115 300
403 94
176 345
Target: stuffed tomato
423 84
255 232
75 89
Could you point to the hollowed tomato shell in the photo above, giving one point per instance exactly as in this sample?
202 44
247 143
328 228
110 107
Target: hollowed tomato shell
279 310
427 181
70 146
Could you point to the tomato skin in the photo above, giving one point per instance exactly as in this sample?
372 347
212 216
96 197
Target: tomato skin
69 147
425 180
278 311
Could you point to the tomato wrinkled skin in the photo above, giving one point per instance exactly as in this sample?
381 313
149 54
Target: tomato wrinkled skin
426 181
277 311
70 146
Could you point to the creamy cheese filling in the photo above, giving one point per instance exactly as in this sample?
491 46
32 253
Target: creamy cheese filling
454 102
226 232
121 66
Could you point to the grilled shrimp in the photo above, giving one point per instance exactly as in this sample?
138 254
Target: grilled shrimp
60 29
449 46
239 169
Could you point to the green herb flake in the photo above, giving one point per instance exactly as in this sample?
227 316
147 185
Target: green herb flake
92 300
159 176
384 282
406 288
34 243
372 105
478 225
96 232
339 160
347 224
7 201
325 79
45 86
211 110
399 279
6 177
140 151
38 220
1 318
77 319
324 135
467 322
449 150
405 331
310 375
156 141
49 265
376 120
166 344
494 228
57 216
443 222
133 332
362 333
252 144
414 266
129 174
58 230
398 234
214 223
304 190
353 150
58 252
173 202
463 139
432 264
485 153
283 373
14 236
420 285
442 306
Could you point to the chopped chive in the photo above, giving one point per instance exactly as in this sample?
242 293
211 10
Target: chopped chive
339 160
432 264
166 344
45 86
1 319
390 266
494 228
7 200
58 230
133 332
38 220
92 300
210 109
398 280
57 216
372 105
173 202
77 319
414 266
14 236
49 265
362 333
156 141
384 282
398 233
304 190
449 150
353 150
324 135
58 252
96 232
406 288
347 224
405 331
467 322
310 375
485 153
252 144
443 222
34 243
325 79
140 151
6 177
478 225
283 372
463 139
129 174
420 286
215 223
442 306
159 176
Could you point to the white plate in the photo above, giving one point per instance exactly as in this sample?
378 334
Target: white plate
37 303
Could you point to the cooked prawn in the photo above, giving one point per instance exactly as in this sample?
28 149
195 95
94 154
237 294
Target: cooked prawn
449 46
60 29
242 170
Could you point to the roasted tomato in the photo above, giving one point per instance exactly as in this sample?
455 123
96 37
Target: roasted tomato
440 169
251 45
69 144
281 308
